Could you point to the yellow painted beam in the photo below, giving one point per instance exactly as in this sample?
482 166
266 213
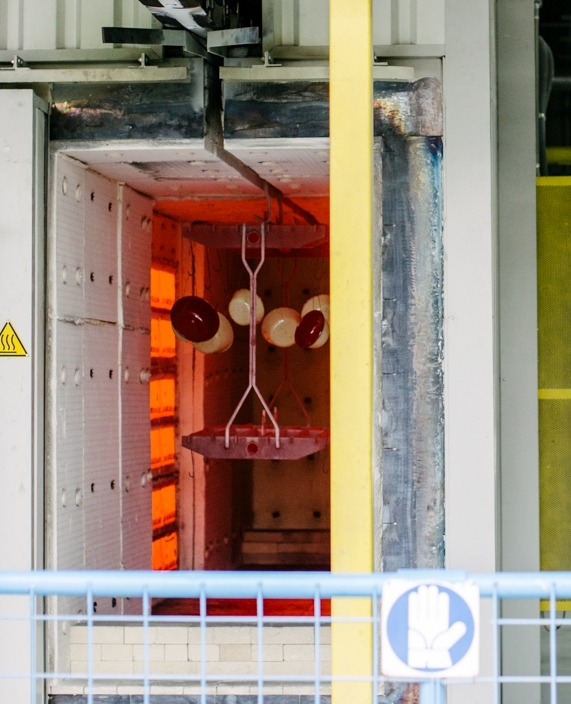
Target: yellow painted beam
554 394
559 155
561 605
351 159
553 180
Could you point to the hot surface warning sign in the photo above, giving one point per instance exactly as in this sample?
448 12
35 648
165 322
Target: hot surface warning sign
10 343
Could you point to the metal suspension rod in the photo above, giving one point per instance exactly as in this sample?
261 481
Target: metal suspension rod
252 338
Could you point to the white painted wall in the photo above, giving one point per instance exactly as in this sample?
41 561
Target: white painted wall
306 22
99 403
76 24
492 492
518 324
471 335
66 24
22 145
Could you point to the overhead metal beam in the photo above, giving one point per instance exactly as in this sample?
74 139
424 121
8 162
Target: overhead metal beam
190 44
170 71
273 72
385 51
219 41
79 56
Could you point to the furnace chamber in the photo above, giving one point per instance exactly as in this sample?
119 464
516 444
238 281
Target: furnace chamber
136 229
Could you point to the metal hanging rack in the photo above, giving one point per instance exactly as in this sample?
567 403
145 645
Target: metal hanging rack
258 441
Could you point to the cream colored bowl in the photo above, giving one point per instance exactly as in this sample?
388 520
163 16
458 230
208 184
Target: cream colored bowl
321 303
279 326
221 342
239 307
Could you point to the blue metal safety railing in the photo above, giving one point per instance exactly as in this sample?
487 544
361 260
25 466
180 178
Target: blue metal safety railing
39 587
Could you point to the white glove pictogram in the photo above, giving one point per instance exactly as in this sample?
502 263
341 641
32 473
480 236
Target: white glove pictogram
430 635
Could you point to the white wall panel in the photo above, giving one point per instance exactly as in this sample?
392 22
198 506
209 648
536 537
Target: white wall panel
14 13
76 24
430 17
403 22
3 23
69 446
39 23
101 447
312 19
306 22
382 23
135 452
132 13
69 24
95 15
101 213
70 265
470 335
103 488
517 293
66 24
22 272
136 230
68 452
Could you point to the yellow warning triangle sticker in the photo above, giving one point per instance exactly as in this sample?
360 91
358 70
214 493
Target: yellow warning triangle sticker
10 343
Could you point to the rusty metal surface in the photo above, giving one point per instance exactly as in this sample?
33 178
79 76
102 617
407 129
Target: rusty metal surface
134 111
416 111
412 351
301 109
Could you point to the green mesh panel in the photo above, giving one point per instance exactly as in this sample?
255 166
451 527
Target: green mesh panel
554 321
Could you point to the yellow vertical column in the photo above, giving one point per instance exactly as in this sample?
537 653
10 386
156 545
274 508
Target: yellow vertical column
351 133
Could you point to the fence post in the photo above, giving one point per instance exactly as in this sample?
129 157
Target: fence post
432 692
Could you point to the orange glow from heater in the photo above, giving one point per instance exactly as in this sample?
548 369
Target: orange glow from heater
163 291
165 552
225 211
163 343
162 446
164 506
163 398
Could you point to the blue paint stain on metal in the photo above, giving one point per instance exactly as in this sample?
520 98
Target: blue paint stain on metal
412 350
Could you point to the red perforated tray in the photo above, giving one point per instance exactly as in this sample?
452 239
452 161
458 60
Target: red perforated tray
257 442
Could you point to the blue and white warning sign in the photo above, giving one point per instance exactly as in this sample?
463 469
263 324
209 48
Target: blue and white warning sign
430 629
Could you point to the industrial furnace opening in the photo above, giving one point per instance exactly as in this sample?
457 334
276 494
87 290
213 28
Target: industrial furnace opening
253 388
172 448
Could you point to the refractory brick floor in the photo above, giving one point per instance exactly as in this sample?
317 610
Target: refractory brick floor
175 651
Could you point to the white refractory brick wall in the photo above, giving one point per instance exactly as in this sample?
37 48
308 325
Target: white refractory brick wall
135 232
175 650
99 406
